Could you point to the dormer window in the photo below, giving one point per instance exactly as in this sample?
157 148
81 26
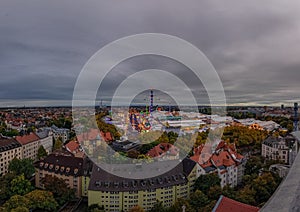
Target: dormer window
68 169
75 171
46 165
62 168
51 166
151 182
143 183
125 184
134 183
56 167
41 164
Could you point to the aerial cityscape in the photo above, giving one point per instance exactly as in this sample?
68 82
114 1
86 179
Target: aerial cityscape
42 151
159 106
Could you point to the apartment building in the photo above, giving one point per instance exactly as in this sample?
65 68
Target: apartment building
164 151
225 161
120 194
279 148
9 149
62 133
45 139
63 165
74 148
30 145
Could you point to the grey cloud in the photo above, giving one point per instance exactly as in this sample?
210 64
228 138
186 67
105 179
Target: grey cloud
252 44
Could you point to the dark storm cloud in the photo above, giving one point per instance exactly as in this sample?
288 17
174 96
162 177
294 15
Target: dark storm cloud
254 45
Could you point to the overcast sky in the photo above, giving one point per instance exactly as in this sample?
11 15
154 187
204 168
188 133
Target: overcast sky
253 45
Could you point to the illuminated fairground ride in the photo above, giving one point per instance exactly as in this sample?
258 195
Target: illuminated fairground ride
139 121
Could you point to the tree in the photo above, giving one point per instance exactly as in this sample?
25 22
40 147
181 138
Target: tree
214 192
10 133
146 147
23 166
258 189
58 144
136 208
20 185
244 137
253 165
42 200
209 207
158 207
20 209
68 124
95 208
5 186
164 138
179 204
198 199
41 152
61 191
290 127
201 137
246 195
133 153
204 182
229 192
172 137
264 186
16 201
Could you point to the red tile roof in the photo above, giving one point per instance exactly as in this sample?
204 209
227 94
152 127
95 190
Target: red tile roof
94 134
107 136
206 164
225 155
26 139
161 149
201 154
221 145
226 204
72 146
223 158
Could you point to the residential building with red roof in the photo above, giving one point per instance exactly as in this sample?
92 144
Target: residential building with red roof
226 204
225 161
95 134
30 145
164 151
93 138
74 148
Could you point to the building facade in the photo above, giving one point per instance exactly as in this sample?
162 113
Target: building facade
280 149
62 133
224 161
30 145
116 193
45 140
9 149
63 165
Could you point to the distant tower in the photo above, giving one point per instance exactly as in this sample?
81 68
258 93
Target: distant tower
151 101
296 116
